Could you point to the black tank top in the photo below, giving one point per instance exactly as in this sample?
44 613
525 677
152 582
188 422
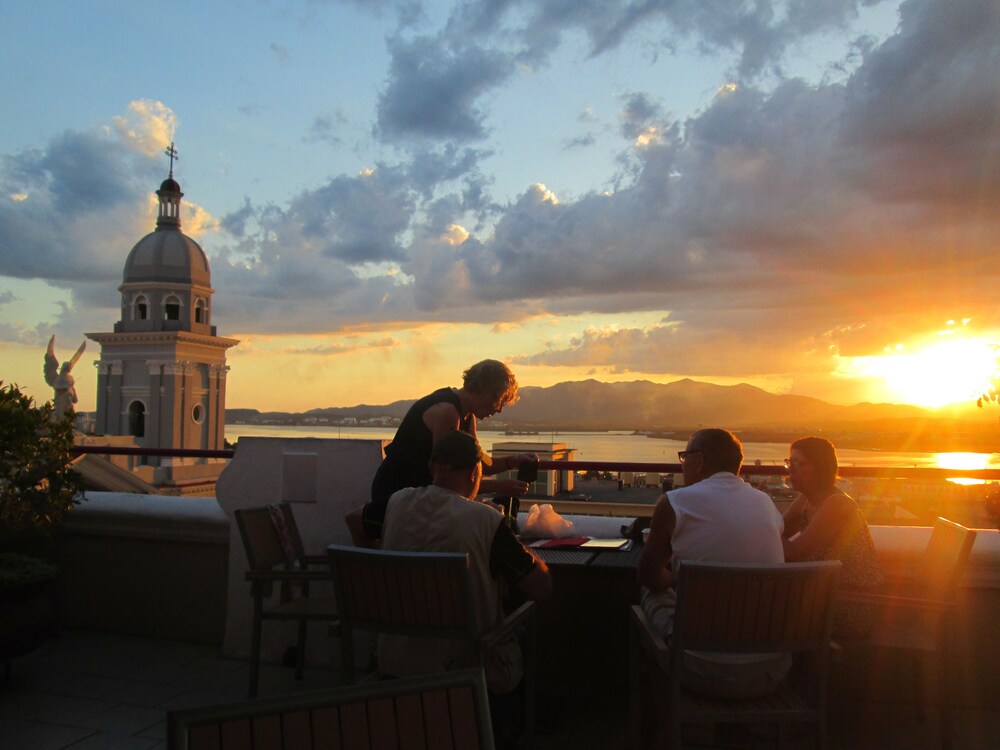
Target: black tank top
413 441
407 457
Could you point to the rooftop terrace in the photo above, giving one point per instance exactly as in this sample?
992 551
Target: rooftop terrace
90 690
153 615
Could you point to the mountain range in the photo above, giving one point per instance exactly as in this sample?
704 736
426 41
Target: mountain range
685 405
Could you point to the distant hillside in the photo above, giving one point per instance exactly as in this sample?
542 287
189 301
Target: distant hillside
365 411
241 415
684 405
687 404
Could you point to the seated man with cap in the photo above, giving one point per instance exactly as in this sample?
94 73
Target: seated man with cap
445 517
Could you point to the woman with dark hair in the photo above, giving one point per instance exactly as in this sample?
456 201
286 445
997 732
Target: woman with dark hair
487 387
825 523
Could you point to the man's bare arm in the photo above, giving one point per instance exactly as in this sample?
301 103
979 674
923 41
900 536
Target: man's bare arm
538 583
653 570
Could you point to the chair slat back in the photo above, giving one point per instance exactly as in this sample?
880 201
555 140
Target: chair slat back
261 539
747 609
418 593
945 559
439 711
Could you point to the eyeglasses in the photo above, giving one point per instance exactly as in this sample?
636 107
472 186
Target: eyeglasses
683 455
795 465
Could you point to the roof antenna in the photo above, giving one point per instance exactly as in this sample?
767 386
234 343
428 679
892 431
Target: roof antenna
172 153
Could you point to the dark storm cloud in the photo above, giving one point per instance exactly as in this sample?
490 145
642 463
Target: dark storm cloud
355 219
434 89
639 113
429 168
759 32
926 105
809 209
67 210
235 223
438 84
78 172
294 268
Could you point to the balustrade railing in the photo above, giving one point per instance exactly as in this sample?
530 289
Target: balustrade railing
896 472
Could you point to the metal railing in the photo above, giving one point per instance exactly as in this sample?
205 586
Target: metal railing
117 450
893 472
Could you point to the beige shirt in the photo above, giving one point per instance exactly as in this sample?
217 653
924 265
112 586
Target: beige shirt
434 519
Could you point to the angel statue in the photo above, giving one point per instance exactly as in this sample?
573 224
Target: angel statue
61 379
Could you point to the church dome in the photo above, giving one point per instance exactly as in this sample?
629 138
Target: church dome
167 255
170 185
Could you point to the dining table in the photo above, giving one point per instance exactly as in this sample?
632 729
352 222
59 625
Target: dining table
582 636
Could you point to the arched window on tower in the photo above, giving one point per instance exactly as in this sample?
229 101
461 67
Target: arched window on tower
137 419
171 308
141 308
199 311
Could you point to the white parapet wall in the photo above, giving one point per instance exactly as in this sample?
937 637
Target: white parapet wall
900 551
174 567
152 565
323 480
974 649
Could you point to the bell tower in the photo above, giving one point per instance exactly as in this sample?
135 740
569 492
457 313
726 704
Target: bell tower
162 372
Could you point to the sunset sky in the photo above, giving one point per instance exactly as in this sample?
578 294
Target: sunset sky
802 195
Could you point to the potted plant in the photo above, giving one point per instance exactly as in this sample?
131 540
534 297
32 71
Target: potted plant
992 503
38 487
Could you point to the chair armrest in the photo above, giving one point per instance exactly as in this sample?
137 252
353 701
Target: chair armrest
649 638
890 601
506 628
323 560
288 575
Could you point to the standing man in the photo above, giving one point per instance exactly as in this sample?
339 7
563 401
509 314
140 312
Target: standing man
715 517
445 517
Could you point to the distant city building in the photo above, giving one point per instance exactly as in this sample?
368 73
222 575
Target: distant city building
162 371
549 482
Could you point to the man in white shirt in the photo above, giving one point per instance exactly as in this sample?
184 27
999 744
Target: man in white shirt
715 517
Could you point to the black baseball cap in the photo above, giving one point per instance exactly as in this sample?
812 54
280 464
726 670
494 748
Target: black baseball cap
459 450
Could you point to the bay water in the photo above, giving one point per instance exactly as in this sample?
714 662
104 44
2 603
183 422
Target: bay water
627 446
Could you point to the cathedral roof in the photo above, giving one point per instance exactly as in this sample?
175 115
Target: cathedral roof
167 255
170 185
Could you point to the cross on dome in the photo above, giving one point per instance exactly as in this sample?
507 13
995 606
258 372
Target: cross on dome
172 153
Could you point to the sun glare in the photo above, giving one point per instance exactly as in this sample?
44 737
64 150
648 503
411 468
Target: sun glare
941 373
970 461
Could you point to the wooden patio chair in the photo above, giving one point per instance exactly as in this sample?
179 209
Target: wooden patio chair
275 555
916 622
438 712
741 609
423 594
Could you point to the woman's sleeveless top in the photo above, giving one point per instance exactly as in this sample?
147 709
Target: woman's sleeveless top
861 572
408 455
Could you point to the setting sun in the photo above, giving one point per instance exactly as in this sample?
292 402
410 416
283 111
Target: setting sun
942 373
974 461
